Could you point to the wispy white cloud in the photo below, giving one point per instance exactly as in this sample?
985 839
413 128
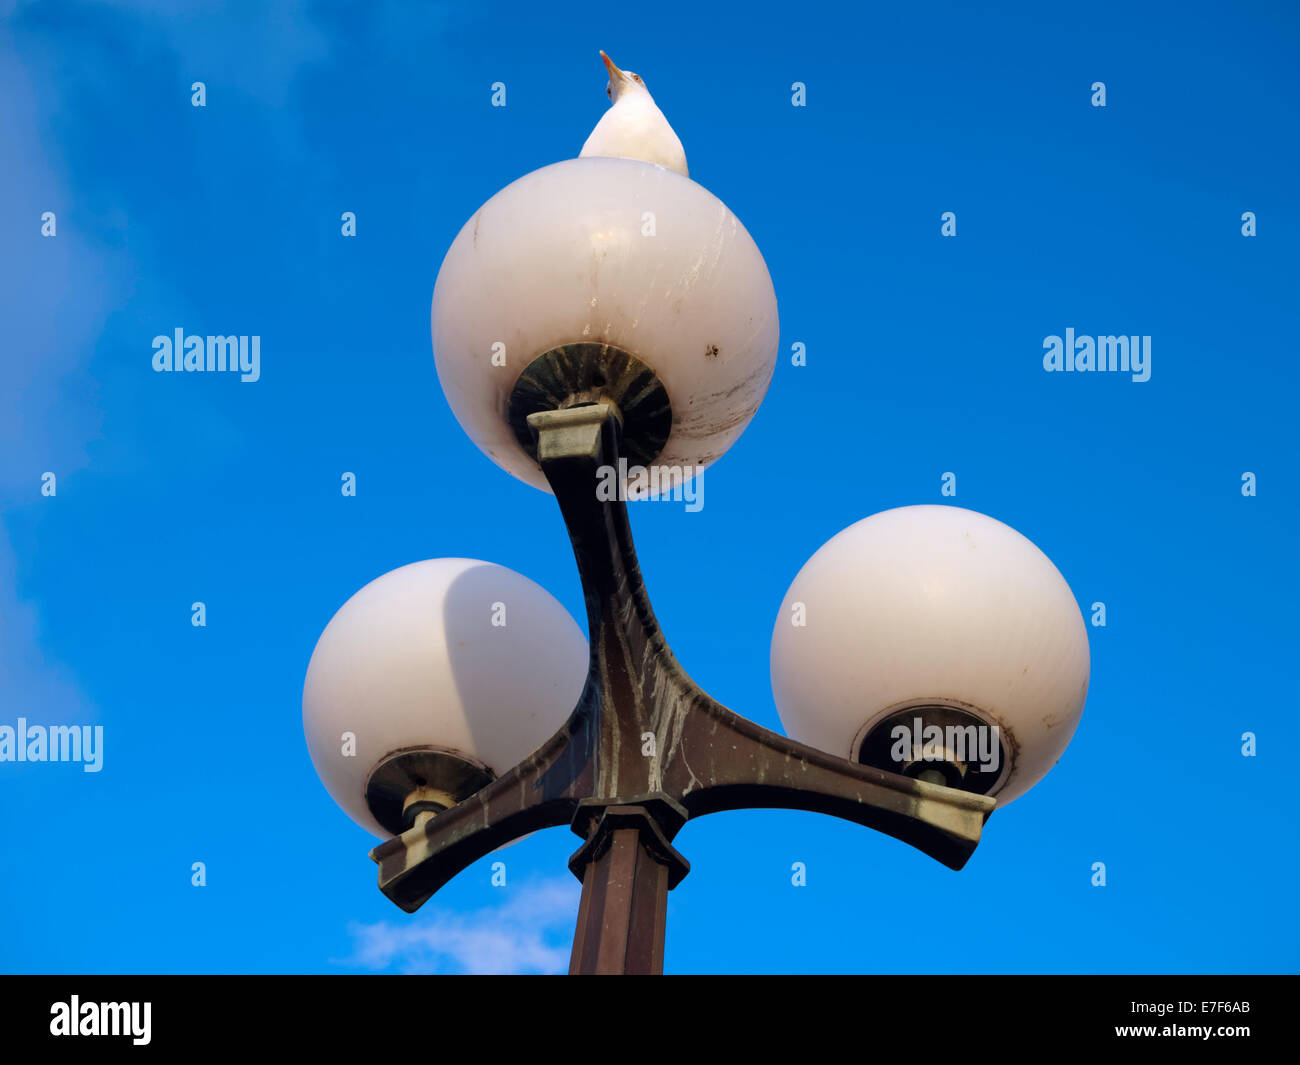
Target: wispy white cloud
58 293
530 931
55 295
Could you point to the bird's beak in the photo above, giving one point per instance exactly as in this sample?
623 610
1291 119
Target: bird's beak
614 73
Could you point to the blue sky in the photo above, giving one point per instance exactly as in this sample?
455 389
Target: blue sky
175 488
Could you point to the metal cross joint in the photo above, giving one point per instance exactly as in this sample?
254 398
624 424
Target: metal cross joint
646 749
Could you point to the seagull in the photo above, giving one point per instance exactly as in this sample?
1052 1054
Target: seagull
634 128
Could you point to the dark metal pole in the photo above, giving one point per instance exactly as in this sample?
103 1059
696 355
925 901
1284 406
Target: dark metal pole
626 868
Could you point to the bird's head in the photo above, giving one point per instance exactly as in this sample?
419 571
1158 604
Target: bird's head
621 82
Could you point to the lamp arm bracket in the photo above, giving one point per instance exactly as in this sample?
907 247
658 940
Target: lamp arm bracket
644 737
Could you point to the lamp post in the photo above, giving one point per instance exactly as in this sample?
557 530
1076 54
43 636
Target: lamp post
933 658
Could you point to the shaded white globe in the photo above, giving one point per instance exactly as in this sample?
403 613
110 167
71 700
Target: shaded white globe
933 606
614 251
415 659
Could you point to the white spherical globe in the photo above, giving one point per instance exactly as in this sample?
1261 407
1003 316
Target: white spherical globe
933 606
613 251
414 659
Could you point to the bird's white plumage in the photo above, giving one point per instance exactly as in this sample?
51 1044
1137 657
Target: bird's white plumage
634 127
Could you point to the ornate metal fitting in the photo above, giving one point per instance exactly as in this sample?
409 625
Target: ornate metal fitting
585 373
420 779
953 760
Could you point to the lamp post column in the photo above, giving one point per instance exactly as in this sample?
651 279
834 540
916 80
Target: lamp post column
627 863
627 867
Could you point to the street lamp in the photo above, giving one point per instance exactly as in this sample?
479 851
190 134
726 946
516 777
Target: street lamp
933 659
579 273
941 613
469 655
